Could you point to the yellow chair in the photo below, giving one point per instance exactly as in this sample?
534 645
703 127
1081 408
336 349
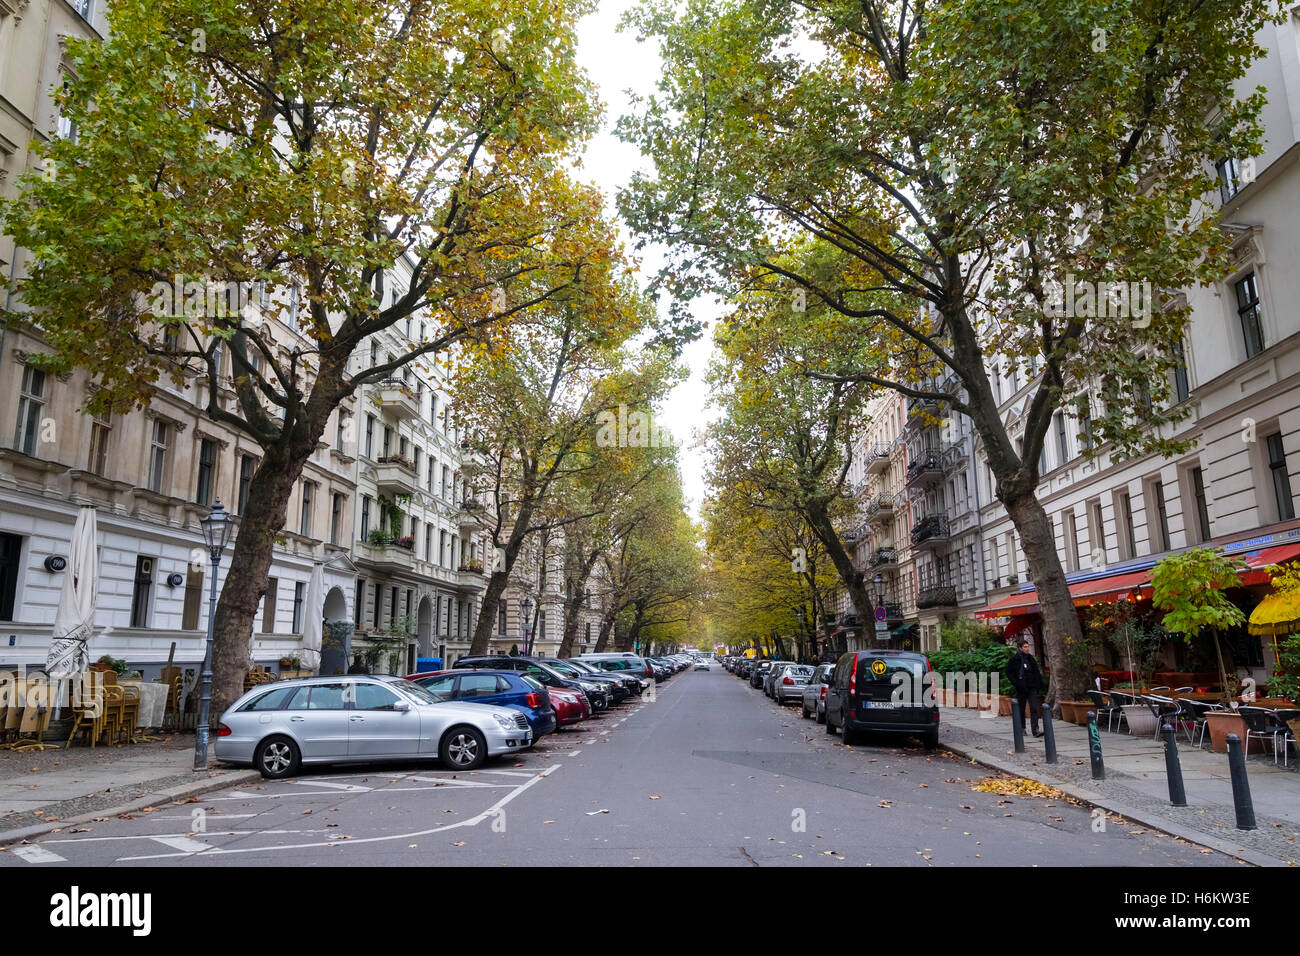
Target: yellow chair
114 703
37 711
88 708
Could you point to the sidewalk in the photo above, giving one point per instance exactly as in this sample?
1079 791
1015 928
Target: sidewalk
1136 786
44 790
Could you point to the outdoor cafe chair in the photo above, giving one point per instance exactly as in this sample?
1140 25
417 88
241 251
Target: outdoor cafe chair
1194 711
1161 687
88 709
1183 690
114 705
1261 724
1104 708
1163 708
1286 737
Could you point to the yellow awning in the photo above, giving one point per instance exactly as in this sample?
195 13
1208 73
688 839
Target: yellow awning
1276 614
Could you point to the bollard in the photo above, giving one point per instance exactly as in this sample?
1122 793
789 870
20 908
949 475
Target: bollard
1016 729
1240 786
1173 769
1094 747
1049 737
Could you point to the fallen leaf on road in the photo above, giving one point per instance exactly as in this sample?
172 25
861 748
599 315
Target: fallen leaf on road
923 786
885 804
592 813
926 856
192 800
548 821
331 824
967 806
148 809
79 829
654 796
459 843
1019 786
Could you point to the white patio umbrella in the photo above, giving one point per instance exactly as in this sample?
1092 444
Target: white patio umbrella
311 628
75 614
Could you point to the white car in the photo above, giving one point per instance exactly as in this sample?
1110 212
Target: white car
702 664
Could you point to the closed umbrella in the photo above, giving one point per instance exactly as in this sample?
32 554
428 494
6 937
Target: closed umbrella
311 628
75 614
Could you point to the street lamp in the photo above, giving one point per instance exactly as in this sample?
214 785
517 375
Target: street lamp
528 626
216 534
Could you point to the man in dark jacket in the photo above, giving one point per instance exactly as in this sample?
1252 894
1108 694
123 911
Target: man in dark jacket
1022 669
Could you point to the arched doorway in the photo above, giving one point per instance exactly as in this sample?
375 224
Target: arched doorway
336 639
424 627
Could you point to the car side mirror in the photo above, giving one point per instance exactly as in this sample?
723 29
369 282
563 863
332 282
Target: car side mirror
401 707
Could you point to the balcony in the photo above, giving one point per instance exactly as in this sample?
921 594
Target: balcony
473 516
471 576
926 470
931 531
397 400
937 596
382 551
878 459
395 475
923 413
893 612
884 558
880 510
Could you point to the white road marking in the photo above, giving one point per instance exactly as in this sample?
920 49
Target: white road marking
349 787
184 844
35 854
472 821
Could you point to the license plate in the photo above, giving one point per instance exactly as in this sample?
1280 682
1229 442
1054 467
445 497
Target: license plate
880 704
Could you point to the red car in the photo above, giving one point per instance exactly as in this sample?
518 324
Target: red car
570 706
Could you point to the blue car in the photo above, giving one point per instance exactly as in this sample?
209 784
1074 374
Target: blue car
499 688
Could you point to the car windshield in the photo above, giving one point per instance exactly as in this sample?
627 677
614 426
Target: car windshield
421 694
530 682
584 668
564 668
882 669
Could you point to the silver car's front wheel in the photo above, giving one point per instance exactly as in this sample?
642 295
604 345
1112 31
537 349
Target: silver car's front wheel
463 748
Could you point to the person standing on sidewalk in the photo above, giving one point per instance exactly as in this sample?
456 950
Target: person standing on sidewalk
1022 669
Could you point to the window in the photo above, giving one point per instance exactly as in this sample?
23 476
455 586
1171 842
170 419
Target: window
365 517
1281 480
141 591
501 618
402 445
308 495
319 697
31 403
1160 528
433 408
158 456
370 435
1202 505
1124 524
541 625
1229 174
442 549
298 588
358 601
207 471
268 606
1097 533
392 606
101 430
477 685
410 597
376 608
247 466
388 439
11 546
336 518
446 475
374 697
374 353
1182 387
1085 431
341 432
193 597
1062 439
1070 530
1248 312
428 542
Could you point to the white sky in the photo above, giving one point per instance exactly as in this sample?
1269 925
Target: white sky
616 62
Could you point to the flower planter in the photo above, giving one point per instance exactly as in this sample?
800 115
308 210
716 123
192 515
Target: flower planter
1004 706
1141 722
1223 723
1076 711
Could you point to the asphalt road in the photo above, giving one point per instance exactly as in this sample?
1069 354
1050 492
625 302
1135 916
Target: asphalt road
709 773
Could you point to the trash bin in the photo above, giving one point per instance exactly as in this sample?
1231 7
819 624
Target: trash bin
424 665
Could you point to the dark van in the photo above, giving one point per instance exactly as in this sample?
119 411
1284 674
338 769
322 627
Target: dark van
882 690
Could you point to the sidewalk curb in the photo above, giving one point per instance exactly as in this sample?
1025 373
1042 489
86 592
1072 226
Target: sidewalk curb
1098 799
206 785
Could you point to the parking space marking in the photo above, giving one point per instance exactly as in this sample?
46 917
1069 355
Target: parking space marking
184 844
349 787
35 854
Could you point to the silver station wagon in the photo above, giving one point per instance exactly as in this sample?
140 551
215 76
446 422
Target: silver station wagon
279 727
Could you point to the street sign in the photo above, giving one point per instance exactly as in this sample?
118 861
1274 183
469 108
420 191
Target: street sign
882 627
880 613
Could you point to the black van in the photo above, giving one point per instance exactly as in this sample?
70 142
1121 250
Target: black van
882 690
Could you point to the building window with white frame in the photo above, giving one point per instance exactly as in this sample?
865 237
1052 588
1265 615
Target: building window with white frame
1281 480
207 471
101 430
1248 312
31 406
158 440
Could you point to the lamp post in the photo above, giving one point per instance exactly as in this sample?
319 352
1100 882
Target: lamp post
216 533
528 626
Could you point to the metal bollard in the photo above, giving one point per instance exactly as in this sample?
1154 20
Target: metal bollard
1017 731
1049 736
1094 747
1240 786
1173 769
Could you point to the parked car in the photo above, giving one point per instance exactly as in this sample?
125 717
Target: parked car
621 662
613 685
279 728
629 681
773 672
571 706
702 664
814 692
861 695
758 672
788 685
499 688
540 671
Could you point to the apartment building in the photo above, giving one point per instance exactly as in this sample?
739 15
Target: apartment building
1239 376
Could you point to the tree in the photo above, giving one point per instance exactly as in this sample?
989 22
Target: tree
532 398
304 149
956 178
1189 588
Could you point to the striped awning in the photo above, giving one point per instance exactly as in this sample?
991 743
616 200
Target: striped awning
1128 586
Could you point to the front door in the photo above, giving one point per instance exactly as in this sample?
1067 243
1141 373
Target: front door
377 730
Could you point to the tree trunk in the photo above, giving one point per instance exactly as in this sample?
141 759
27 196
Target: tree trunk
820 522
487 613
629 640
246 578
573 605
1060 619
606 629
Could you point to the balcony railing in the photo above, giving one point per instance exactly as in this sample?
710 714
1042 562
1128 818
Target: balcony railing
880 509
397 399
395 475
878 459
926 469
884 558
472 516
937 596
931 529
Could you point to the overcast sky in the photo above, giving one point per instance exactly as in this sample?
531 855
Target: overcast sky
616 63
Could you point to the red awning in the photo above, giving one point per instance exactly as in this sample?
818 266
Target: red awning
1274 555
1130 586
